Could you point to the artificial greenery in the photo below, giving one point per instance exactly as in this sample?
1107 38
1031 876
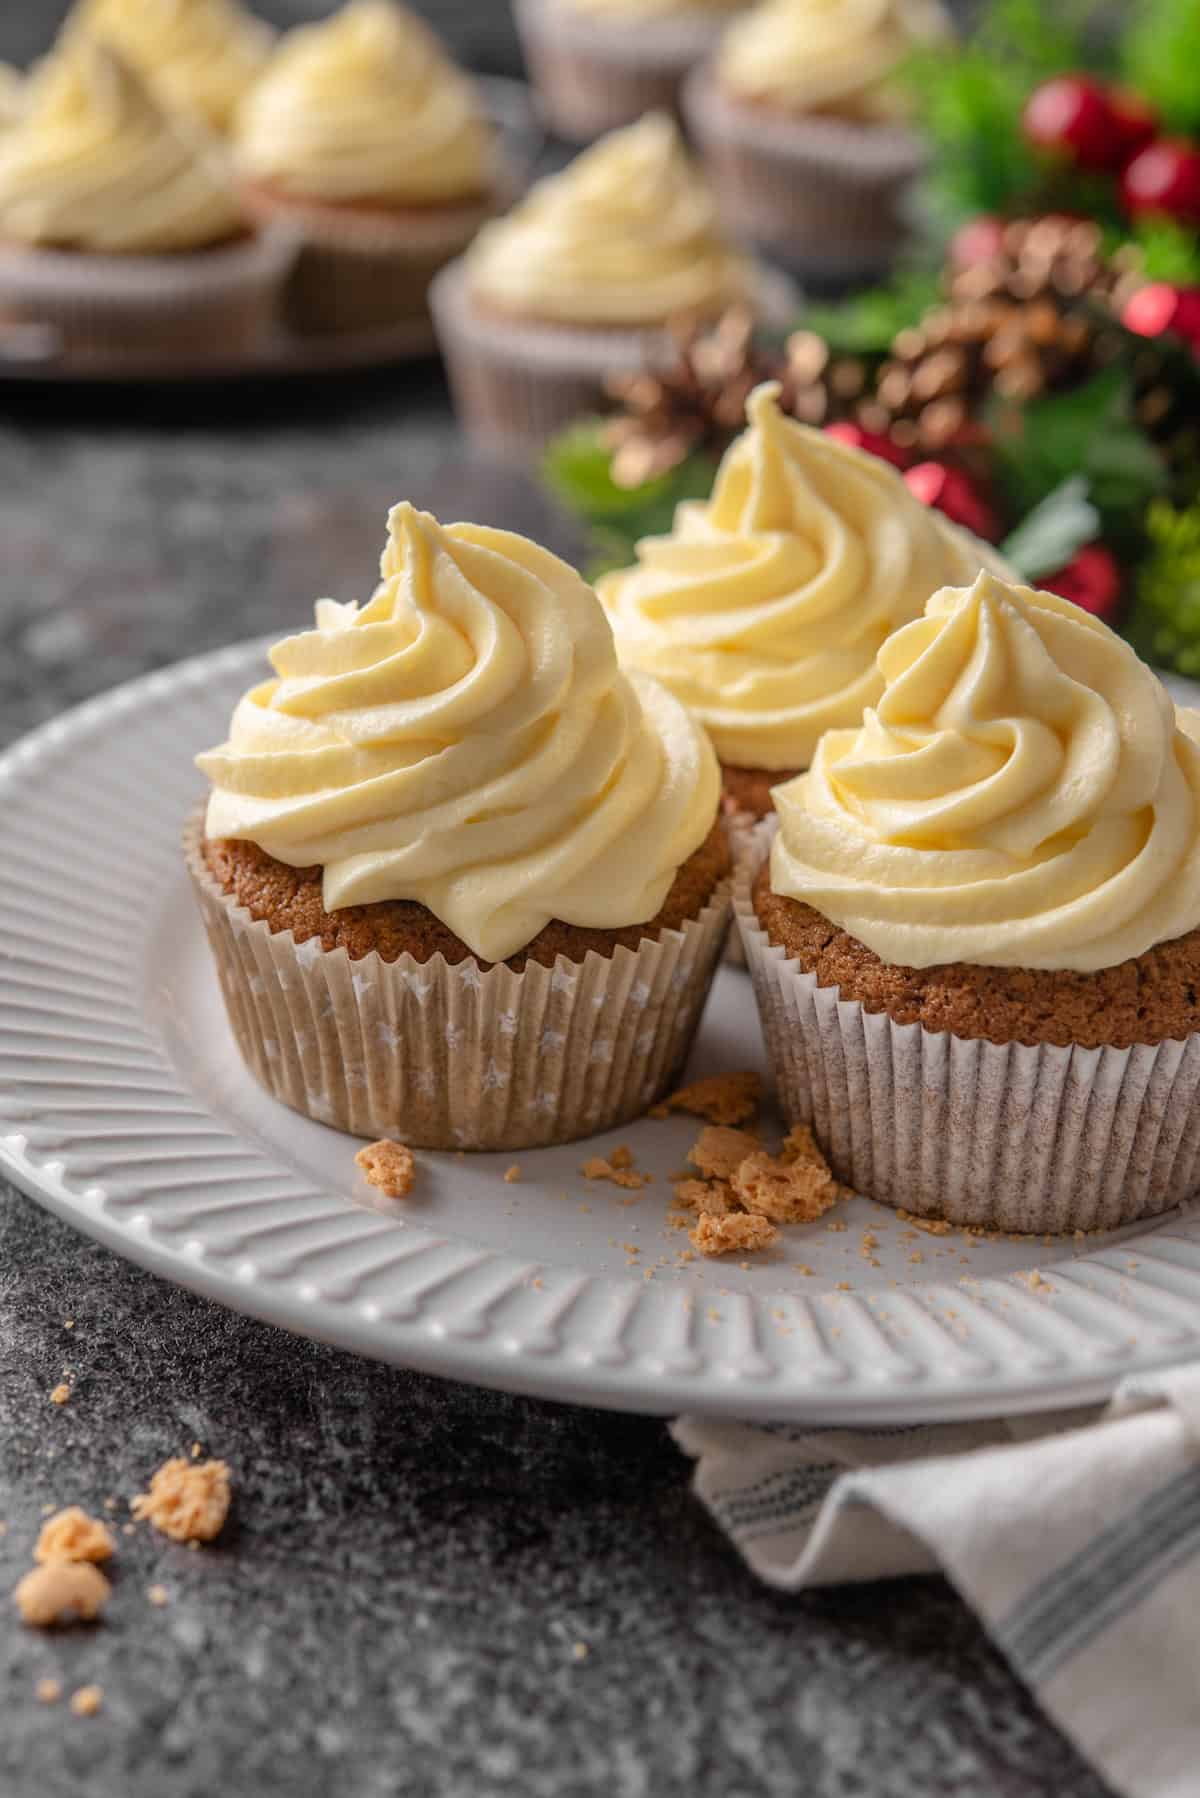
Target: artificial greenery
1049 535
1160 59
1165 623
866 323
578 468
1167 251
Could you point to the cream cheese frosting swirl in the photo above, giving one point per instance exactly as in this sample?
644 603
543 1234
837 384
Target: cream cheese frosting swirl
827 55
1024 795
765 607
627 234
199 55
95 164
467 741
366 107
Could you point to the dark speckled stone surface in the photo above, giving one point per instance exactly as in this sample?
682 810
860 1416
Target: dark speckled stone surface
395 1603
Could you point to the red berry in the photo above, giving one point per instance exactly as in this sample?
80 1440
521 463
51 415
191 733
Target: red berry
1165 178
1135 123
1160 307
871 441
953 493
1070 115
977 241
1091 578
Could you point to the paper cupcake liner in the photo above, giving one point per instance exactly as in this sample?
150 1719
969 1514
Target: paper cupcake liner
516 382
455 1057
592 76
992 1136
148 309
359 270
825 194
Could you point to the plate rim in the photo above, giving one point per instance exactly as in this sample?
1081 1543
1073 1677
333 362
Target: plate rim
428 1339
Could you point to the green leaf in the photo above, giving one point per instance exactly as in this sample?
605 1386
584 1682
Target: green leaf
1169 252
1165 624
1047 538
865 324
577 467
1159 57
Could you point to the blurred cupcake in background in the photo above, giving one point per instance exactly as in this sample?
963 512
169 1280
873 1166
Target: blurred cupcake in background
597 64
374 147
766 606
464 880
804 129
120 229
201 56
579 282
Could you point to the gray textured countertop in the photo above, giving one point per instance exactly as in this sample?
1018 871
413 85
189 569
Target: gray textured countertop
395 1603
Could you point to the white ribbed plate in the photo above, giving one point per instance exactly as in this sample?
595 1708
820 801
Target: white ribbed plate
124 1108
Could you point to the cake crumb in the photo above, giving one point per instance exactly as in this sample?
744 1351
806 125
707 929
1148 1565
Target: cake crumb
389 1166
68 1323
1036 1281
87 1701
158 1595
61 1592
732 1234
712 1198
512 1174
721 1098
60 1394
797 1193
932 1226
187 1500
802 1267
620 1172
48 1691
71 1535
580 1651
719 1150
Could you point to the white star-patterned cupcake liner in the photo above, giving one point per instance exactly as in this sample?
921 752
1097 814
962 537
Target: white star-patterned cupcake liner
459 1056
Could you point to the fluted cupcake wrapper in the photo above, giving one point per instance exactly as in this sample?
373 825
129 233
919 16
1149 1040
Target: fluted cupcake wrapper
594 75
826 194
992 1136
518 381
144 311
457 1057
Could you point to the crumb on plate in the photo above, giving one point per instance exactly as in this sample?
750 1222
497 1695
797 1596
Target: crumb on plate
87 1701
48 1691
60 1394
389 1166
797 1192
512 1174
730 1235
721 1098
61 1592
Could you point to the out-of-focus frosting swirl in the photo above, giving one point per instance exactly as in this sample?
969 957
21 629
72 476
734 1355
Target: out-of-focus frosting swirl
1024 795
627 234
467 740
366 106
200 55
95 164
619 10
827 55
765 607
12 95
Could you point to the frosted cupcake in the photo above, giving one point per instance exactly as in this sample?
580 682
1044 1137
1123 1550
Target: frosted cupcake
464 881
578 283
367 140
598 64
803 130
765 608
976 939
201 56
119 226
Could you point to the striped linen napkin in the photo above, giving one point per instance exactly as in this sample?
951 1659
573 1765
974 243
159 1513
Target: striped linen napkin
1075 1538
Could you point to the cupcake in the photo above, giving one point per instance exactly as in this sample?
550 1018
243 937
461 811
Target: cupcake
464 881
975 940
201 56
803 129
364 137
766 606
119 227
579 282
597 64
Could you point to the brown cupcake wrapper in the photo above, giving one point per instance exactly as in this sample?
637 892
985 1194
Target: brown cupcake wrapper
516 382
993 1136
145 310
592 76
364 270
456 1057
826 194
